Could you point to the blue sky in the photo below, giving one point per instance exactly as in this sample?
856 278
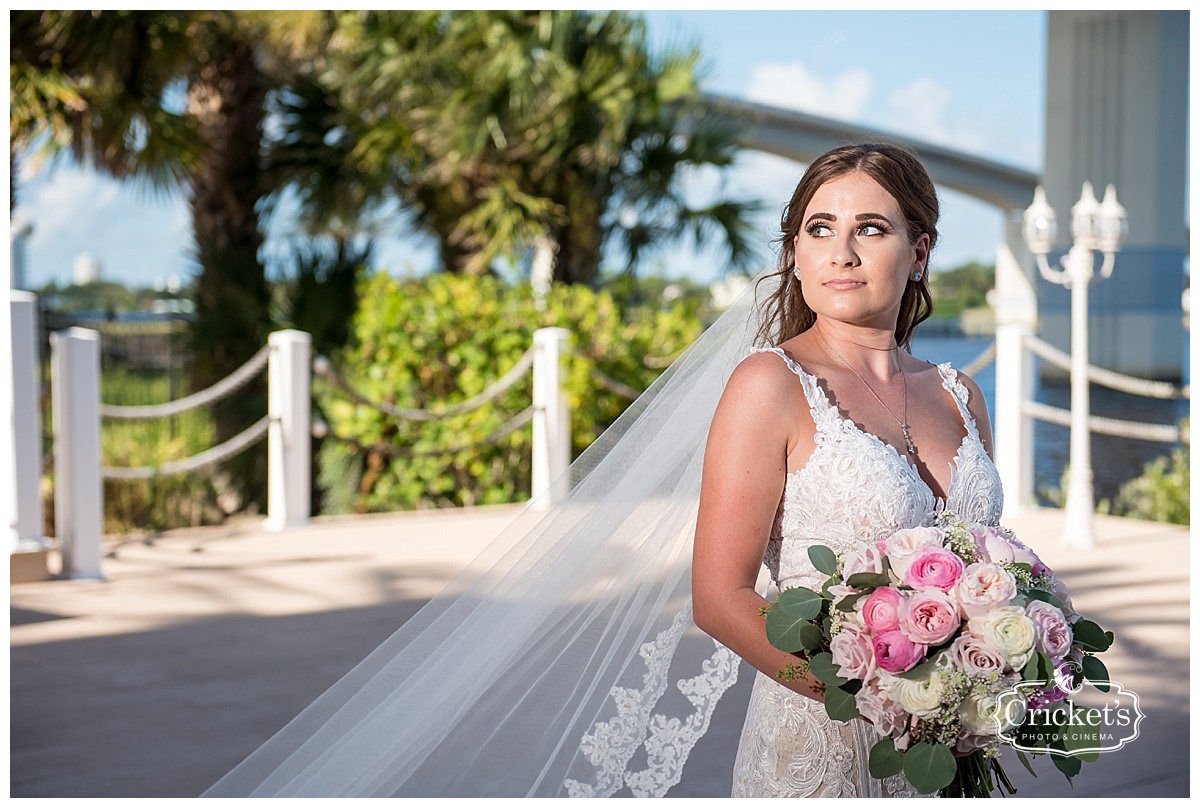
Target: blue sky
971 80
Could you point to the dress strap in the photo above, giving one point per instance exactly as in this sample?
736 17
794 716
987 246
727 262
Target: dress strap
960 394
822 411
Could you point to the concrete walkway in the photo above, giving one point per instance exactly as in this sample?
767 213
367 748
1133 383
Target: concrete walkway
200 645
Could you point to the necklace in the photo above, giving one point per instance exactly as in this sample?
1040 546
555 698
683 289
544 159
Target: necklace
908 443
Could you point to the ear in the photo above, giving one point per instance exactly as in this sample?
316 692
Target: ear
921 253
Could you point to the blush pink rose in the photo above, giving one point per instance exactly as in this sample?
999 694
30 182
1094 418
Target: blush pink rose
877 706
934 567
1059 590
972 654
983 587
868 558
999 547
1054 634
902 545
853 652
881 609
896 653
929 617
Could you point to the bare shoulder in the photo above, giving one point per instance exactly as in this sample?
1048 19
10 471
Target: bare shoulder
762 378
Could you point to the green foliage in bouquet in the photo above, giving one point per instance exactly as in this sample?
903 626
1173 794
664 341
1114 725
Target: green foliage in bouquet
429 343
803 621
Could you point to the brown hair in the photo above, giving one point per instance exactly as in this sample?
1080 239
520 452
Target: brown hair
901 174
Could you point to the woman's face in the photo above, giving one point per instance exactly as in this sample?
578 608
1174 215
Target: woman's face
853 253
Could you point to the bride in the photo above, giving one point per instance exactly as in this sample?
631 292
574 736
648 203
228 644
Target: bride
564 660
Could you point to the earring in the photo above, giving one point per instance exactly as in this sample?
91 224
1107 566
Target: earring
916 276
796 272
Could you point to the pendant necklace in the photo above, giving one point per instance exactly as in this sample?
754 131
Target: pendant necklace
908 442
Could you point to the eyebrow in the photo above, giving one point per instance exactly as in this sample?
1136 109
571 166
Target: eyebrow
862 217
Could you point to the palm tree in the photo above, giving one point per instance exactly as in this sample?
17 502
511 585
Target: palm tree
177 99
499 130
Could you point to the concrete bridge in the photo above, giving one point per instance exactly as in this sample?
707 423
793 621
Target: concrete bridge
202 643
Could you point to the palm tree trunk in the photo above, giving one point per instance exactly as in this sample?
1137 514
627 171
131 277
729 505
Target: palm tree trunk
232 297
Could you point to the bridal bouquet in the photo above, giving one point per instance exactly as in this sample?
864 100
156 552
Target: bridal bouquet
945 638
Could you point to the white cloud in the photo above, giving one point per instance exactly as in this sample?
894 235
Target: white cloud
795 86
58 203
920 109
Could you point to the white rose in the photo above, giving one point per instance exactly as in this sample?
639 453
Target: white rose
903 545
868 558
983 587
922 697
1009 631
992 713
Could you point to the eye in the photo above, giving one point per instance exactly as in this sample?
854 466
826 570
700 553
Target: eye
872 229
820 230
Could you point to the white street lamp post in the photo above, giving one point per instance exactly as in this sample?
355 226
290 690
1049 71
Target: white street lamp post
1095 226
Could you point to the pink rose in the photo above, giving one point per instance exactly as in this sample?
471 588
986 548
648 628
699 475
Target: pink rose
934 567
902 545
1054 635
853 653
929 617
896 653
868 558
968 742
1059 590
971 654
881 609
877 706
1000 547
984 587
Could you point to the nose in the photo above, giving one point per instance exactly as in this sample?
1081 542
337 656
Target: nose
843 252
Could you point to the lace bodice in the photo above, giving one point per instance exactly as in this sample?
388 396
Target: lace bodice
855 488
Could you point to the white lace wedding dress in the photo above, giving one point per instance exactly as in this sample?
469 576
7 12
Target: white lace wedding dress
854 489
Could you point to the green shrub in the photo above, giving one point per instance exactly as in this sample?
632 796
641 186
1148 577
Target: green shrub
1161 493
432 342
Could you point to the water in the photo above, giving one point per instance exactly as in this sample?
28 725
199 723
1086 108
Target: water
1114 460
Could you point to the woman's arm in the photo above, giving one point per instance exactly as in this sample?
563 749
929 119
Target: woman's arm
745 467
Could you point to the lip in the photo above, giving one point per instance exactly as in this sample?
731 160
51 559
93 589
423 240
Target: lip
843 284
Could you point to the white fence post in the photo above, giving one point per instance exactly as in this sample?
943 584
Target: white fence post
26 425
1015 303
78 489
289 436
551 419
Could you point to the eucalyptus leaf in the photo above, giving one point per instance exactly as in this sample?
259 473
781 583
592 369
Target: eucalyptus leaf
848 603
1021 756
823 559
823 668
1030 672
1042 595
783 630
929 766
867 580
884 759
812 637
919 672
840 705
1091 636
1095 671
799 602
1069 766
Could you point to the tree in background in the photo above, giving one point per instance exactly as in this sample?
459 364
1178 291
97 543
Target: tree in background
500 131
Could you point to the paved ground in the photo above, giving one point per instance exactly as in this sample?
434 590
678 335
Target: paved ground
197 647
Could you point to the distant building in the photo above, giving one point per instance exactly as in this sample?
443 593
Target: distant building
87 269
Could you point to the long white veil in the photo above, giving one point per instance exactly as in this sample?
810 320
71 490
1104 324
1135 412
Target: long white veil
552 665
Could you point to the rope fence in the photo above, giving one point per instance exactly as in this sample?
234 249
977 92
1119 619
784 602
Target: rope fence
209 457
1109 378
322 368
398 452
210 395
